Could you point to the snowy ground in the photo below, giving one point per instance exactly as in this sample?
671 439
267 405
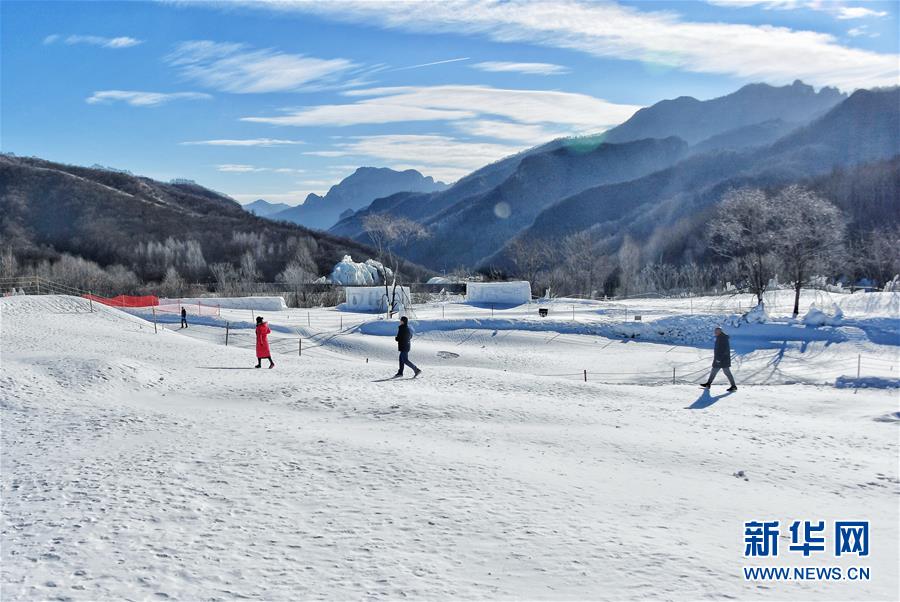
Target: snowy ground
140 465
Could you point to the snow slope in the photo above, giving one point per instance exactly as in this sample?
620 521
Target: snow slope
142 465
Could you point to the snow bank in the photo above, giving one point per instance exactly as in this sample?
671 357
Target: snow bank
258 303
372 298
351 273
691 331
866 382
501 293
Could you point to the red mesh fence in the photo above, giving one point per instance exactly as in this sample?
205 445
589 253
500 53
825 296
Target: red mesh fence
125 300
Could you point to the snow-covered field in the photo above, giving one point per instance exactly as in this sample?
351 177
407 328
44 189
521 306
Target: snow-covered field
139 465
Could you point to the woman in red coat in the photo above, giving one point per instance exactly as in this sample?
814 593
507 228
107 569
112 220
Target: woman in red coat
262 343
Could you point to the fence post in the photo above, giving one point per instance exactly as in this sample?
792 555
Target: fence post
673 375
585 376
691 297
342 322
153 310
573 313
226 333
308 322
91 301
300 346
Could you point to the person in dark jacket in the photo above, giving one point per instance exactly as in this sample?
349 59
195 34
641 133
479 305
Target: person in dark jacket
721 361
403 338
183 318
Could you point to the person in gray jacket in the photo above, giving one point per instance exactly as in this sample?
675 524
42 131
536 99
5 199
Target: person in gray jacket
721 360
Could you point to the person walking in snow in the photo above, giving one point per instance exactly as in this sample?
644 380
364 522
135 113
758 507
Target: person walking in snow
721 360
262 343
183 318
403 338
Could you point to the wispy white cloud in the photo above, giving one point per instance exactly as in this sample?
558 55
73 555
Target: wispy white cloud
242 142
480 110
859 12
240 69
860 31
117 42
529 68
143 99
525 133
243 168
838 8
752 52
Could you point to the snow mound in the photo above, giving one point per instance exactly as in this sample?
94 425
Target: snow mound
817 317
350 273
757 315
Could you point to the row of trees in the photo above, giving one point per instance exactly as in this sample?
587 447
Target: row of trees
752 238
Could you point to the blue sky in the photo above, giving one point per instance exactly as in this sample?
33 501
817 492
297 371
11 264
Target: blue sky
278 99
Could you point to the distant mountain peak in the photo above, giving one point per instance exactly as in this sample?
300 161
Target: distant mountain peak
356 192
695 120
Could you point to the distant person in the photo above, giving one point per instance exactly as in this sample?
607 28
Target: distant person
403 338
262 343
183 318
721 360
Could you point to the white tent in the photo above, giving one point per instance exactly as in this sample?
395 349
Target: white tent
499 293
372 298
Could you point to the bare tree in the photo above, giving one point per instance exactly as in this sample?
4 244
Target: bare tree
389 233
811 236
746 230
529 258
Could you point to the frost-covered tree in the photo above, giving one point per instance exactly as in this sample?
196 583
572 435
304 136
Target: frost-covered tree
629 258
582 269
249 273
746 230
226 278
811 236
9 266
875 254
173 285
